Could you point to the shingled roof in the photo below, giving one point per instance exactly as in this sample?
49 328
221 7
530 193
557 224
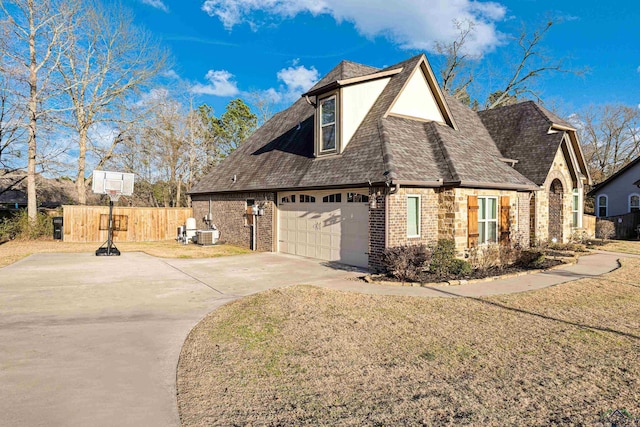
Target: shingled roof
279 155
521 132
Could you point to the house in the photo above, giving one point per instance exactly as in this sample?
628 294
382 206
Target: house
374 158
620 193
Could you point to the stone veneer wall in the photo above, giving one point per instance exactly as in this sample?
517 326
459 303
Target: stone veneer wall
229 215
560 171
460 231
523 235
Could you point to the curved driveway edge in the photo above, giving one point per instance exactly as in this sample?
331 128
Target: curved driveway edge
95 341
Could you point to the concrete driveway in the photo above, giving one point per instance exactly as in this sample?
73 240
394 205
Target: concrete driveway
88 340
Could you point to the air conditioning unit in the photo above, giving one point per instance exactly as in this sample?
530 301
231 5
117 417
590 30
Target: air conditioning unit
207 237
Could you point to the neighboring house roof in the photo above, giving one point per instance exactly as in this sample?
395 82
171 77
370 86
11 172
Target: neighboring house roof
387 147
613 177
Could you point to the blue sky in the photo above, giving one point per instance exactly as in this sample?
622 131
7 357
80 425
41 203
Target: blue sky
228 48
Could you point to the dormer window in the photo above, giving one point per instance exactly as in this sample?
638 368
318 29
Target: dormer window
328 126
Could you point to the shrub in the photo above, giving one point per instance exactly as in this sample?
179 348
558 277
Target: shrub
605 229
19 227
494 256
406 262
442 258
530 258
460 267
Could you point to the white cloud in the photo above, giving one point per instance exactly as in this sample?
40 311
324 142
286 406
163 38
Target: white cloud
158 4
298 80
413 24
295 80
171 74
221 83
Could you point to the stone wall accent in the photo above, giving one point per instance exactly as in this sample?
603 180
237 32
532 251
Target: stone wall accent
560 171
461 213
446 213
522 236
229 215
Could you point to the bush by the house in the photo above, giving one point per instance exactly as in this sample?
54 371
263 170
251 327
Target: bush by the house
406 262
494 256
18 226
443 259
605 229
460 268
532 258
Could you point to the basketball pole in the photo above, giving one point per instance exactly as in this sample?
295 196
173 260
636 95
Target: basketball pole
110 249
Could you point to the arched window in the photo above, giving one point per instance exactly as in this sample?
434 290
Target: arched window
602 205
634 202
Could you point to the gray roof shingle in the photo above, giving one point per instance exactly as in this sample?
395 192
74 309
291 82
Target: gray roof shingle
520 132
279 155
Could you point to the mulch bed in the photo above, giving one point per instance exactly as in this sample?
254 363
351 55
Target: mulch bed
430 278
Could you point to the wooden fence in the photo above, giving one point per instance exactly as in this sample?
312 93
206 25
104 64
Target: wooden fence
589 225
90 223
626 225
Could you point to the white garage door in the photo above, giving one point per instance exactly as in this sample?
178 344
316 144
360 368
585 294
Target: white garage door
329 225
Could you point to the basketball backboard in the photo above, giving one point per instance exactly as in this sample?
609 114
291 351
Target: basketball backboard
105 182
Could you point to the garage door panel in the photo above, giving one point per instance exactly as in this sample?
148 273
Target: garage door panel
329 231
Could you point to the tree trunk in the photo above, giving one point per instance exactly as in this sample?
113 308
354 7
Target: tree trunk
82 160
32 205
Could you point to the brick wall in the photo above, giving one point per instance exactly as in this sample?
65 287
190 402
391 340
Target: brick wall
398 217
229 215
377 228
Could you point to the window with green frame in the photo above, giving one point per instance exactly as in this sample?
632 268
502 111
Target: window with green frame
487 220
413 216
575 207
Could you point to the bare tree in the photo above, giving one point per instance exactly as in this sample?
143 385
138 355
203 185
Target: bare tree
36 29
263 105
610 136
456 74
516 76
109 59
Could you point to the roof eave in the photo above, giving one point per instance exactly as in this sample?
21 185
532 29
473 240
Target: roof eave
354 80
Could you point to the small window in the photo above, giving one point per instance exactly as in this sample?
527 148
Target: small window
305 198
575 207
634 203
602 206
413 216
285 199
332 198
487 220
328 125
357 198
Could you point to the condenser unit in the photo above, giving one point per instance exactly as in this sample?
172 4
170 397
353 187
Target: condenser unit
207 237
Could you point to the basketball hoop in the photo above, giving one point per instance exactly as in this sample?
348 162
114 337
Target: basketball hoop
114 195
113 184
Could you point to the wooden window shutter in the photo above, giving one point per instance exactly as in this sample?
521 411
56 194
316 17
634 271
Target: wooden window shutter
505 219
473 220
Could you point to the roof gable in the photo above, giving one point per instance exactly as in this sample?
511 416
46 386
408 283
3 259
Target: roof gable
421 97
613 178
